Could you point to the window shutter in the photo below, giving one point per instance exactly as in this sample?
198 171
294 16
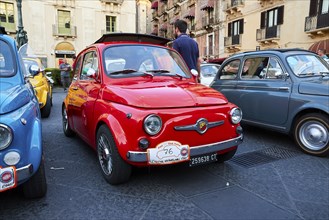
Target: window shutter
229 34
280 15
241 26
263 20
313 7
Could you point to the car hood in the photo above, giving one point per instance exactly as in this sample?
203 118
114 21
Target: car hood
12 97
318 87
164 95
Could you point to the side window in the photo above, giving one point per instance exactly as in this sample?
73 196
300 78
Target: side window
89 65
77 69
230 70
274 70
253 68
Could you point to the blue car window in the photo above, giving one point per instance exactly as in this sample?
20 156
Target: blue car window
7 66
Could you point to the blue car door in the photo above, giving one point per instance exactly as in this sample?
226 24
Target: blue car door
263 91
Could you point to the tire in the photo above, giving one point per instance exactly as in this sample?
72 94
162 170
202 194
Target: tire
36 186
66 125
311 133
114 169
226 156
45 111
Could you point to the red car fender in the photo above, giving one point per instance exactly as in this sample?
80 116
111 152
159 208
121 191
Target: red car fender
116 130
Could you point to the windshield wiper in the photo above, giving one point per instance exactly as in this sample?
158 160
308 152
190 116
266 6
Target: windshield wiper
165 71
158 71
124 71
307 74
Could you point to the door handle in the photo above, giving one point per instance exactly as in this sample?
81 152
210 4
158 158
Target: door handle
284 88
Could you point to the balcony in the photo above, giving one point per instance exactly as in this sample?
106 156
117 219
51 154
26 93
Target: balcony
64 32
266 2
233 43
207 22
234 6
317 25
268 35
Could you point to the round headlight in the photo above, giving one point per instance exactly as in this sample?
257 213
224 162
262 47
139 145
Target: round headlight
6 136
236 115
152 124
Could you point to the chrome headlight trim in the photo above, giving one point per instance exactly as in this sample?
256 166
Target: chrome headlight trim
6 136
152 124
236 115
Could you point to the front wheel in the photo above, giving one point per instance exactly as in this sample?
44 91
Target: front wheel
311 133
114 169
45 111
66 126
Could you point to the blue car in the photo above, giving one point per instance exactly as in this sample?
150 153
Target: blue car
286 90
21 158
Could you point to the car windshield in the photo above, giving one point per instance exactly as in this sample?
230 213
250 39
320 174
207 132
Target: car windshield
137 60
306 65
209 70
6 60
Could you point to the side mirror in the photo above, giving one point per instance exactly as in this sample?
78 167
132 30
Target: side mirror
194 72
34 70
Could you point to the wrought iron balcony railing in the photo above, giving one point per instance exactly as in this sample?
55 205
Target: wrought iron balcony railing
268 33
314 23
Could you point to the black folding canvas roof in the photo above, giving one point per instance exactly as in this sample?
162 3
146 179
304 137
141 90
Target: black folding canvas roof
132 37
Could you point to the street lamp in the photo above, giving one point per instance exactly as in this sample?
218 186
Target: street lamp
21 35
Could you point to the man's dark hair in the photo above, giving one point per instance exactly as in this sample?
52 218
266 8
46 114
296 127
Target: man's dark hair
181 25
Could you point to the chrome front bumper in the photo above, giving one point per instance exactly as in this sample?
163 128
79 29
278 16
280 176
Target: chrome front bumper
24 173
136 156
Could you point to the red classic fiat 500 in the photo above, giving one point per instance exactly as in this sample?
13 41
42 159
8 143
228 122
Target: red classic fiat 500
136 103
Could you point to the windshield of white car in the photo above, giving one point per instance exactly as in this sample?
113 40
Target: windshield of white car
306 65
137 60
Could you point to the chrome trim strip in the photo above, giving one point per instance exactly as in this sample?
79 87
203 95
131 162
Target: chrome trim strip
196 126
24 172
136 156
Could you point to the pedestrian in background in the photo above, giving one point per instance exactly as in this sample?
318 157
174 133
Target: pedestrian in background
322 53
65 68
186 46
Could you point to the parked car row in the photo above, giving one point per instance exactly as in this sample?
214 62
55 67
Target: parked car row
135 102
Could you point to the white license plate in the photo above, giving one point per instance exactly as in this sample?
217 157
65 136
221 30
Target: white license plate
168 152
7 178
203 159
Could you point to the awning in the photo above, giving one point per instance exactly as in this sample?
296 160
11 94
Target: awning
190 14
163 27
155 4
322 44
207 5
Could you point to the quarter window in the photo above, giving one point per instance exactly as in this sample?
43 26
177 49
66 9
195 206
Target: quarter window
89 66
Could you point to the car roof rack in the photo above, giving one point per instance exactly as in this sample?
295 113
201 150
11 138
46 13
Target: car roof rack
133 37
2 30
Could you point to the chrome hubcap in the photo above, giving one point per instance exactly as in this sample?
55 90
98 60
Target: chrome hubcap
104 155
65 119
314 135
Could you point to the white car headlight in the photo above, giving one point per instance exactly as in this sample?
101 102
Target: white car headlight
152 124
6 136
236 115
